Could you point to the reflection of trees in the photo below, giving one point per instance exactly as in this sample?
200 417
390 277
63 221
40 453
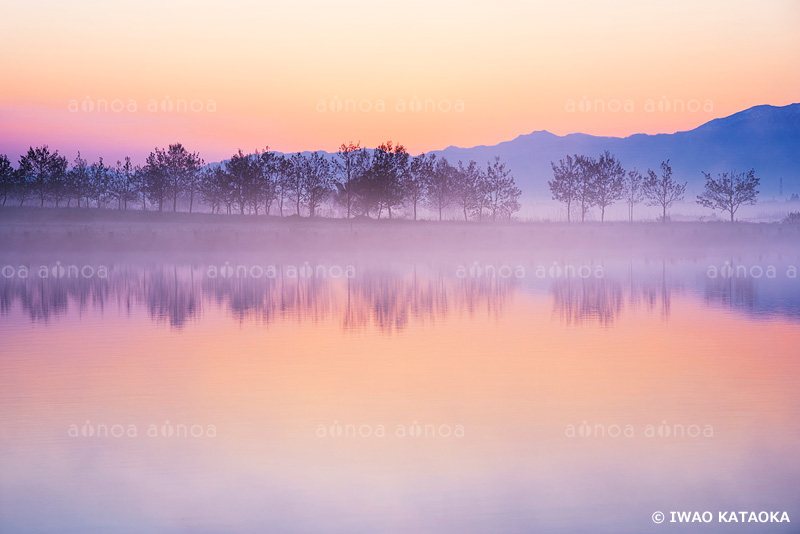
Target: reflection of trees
386 297
381 297
587 300
168 294
601 300
390 299
731 292
264 299
43 298
651 290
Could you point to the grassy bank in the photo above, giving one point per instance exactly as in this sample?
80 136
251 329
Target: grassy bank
23 229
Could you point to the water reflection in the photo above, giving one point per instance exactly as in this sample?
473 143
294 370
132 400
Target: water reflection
387 297
515 362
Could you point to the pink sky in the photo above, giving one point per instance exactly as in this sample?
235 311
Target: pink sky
257 74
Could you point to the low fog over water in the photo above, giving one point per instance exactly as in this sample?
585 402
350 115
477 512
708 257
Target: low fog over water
360 369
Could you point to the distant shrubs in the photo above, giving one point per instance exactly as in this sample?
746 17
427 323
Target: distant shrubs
792 218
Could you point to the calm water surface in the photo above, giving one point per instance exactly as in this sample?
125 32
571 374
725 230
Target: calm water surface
415 397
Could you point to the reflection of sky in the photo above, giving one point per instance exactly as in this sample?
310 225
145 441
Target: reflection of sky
513 380
394 295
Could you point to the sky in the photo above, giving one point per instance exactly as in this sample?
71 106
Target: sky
120 78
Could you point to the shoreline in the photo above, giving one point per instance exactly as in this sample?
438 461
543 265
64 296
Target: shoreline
89 229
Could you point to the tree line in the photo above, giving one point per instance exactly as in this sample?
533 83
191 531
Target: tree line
355 181
584 182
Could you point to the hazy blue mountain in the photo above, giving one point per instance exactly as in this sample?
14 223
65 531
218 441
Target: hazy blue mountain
766 138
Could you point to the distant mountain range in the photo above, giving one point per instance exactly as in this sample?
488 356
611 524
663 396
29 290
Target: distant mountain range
766 138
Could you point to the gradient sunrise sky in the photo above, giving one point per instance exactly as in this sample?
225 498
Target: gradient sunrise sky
274 73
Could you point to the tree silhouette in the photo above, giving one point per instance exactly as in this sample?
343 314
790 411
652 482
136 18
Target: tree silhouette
564 185
729 192
585 192
44 171
440 187
502 193
361 182
316 181
420 174
469 187
608 183
662 190
7 178
348 169
388 170
633 193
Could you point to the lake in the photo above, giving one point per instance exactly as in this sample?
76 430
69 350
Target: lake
472 393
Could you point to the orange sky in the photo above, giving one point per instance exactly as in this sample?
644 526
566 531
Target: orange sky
272 73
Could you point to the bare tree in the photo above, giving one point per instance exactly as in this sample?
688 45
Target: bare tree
316 181
100 183
440 187
295 182
501 191
7 178
212 191
352 162
564 185
22 189
729 191
633 191
267 174
192 178
662 190
609 182
584 192
468 186
419 176
283 170
123 186
388 169
241 172
44 171
78 181
169 171
155 175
